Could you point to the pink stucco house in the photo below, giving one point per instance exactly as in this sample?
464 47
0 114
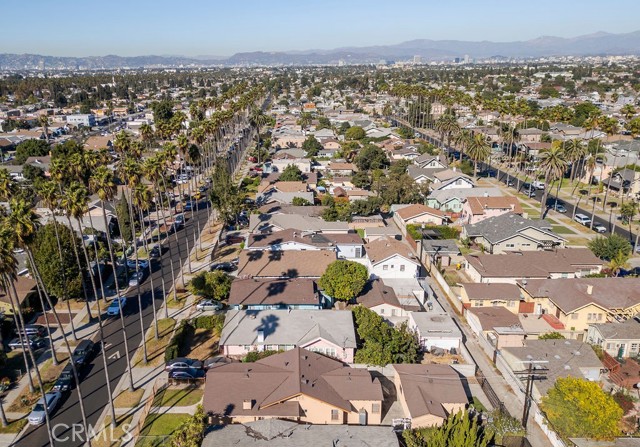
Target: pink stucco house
477 209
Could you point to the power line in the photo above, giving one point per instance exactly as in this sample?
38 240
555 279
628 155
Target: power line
532 373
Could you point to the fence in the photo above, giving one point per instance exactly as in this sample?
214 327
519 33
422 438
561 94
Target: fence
159 385
490 393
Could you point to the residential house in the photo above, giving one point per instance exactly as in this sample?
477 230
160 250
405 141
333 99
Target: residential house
442 251
298 385
329 332
618 339
280 164
341 168
267 223
435 330
422 175
491 295
512 232
496 326
453 199
417 214
477 209
284 264
382 299
349 245
625 182
429 394
391 258
431 161
451 179
376 232
272 294
25 287
513 266
284 433
580 302
530 135
560 358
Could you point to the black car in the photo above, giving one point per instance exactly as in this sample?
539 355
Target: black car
65 381
224 266
84 352
187 374
155 252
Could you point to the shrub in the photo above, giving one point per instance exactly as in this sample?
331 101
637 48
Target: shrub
178 342
445 232
624 400
214 322
254 356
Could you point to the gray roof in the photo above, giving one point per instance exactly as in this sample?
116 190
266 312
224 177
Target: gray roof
283 197
415 172
262 222
283 327
445 246
434 324
445 195
627 330
281 433
565 359
499 228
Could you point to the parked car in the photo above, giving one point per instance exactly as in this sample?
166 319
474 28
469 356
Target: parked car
599 228
84 352
155 252
182 363
559 207
141 263
179 218
234 240
34 341
34 329
37 415
65 381
136 278
116 304
211 305
187 374
538 184
582 219
191 205
224 266
529 192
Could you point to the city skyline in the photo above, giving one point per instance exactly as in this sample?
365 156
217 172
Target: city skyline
203 29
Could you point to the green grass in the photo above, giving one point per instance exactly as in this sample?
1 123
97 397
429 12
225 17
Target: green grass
360 232
162 424
561 229
155 348
178 397
14 426
478 405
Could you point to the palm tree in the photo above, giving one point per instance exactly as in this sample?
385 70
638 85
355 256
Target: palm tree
618 262
574 151
25 224
478 150
43 120
103 184
257 119
553 164
7 186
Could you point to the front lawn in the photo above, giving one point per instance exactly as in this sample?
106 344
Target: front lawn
184 397
155 348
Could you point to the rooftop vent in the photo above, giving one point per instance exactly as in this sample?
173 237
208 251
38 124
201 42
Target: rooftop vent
247 404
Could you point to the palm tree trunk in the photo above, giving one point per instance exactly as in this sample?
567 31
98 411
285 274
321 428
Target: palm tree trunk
86 297
66 342
153 290
64 279
114 267
54 357
142 331
19 328
164 290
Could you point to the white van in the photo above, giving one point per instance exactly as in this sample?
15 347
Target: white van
582 219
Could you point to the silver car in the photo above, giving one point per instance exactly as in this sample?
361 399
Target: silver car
37 415
211 305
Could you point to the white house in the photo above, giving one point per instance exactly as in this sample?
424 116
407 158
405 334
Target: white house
391 258
435 330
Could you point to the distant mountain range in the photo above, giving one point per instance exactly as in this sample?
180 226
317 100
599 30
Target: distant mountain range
598 44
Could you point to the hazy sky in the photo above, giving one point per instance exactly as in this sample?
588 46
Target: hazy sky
224 27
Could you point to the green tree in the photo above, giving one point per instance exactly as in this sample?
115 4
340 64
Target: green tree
214 285
323 123
312 146
361 180
366 207
191 432
553 163
48 260
371 157
300 201
459 430
628 211
551 336
608 247
291 173
355 133
124 218
225 196
618 262
578 408
162 110
344 280
31 148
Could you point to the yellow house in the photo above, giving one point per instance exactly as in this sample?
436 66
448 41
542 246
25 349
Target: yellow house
429 393
579 302
297 385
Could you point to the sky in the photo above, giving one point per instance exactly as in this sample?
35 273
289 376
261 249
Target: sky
225 27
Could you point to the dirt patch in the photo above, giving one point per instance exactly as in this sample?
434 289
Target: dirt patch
446 359
128 399
155 348
204 344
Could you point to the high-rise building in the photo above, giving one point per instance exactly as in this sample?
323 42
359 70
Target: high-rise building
417 59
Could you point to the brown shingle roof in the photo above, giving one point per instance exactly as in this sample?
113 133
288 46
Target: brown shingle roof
269 383
491 317
321 240
479 204
417 210
376 293
272 291
385 247
290 263
496 291
427 387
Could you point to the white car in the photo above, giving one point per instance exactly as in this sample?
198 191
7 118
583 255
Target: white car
599 228
538 185
209 305
37 415
136 278
114 307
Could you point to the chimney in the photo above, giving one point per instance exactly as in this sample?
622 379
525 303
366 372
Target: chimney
247 404
260 336
589 289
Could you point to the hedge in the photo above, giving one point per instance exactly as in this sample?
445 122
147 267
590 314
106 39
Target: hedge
445 232
179 341
215 322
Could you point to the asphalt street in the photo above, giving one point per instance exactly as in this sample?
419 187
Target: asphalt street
93 385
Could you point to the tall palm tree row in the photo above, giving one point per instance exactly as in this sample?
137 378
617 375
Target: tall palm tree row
552 163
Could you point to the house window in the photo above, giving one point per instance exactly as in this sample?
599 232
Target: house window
375 408
634 347
358 252
381 311
246 347
335 415
402 268
609 346
392 266
511 245
600 317
385 267
331 352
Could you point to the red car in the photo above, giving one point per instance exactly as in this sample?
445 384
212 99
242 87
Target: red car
252 159
234 240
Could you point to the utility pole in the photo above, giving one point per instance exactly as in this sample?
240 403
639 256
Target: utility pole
532 373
